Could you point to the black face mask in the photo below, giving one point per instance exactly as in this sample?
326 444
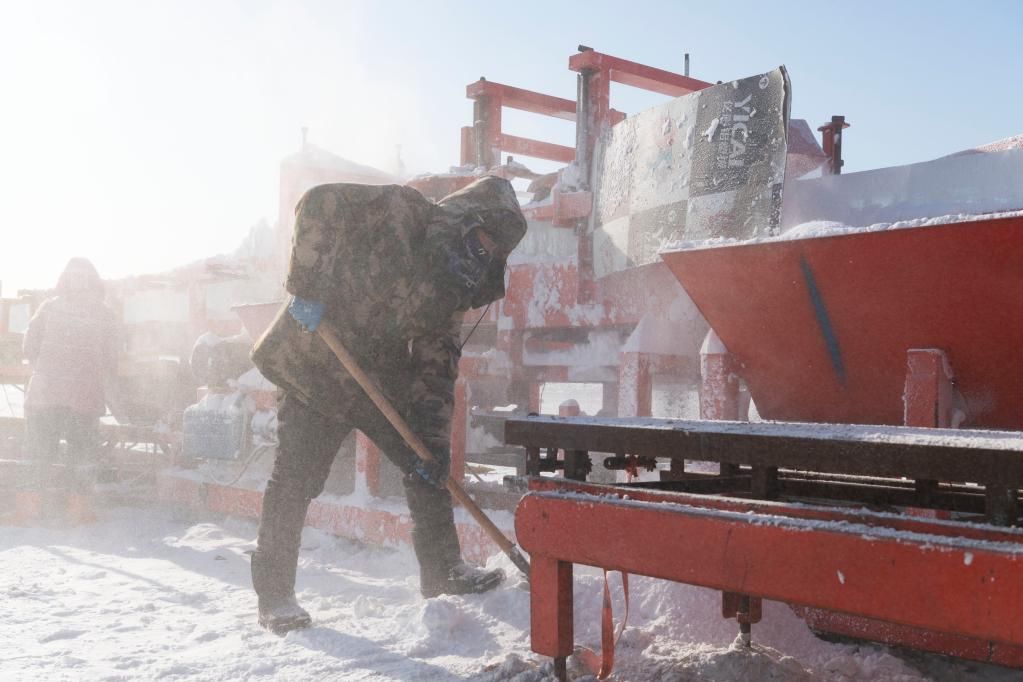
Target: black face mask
469 264
466 275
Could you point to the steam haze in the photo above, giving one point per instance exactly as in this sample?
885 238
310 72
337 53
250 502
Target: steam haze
145 135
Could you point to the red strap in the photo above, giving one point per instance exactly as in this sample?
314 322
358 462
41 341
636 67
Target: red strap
602 665
631 468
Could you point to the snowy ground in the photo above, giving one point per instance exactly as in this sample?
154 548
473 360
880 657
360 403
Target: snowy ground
144 596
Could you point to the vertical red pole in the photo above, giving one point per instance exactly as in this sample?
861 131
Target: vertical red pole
486 131
550 607
494 134
534 395
831 143
635 386
719 400
928 400
468 151
367 464
599 107
719 385
594 107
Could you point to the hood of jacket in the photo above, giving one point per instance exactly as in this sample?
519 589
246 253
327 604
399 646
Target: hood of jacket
490 204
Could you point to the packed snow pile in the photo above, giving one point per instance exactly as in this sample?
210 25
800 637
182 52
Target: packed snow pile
1005 144
816 229
826 228
963 184
142 596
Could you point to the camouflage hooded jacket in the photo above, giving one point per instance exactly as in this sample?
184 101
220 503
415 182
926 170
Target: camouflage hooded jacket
379 259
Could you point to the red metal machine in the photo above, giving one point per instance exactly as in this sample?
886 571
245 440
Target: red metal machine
858 329
894 327
768 527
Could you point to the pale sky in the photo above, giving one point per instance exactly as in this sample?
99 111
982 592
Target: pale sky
145 134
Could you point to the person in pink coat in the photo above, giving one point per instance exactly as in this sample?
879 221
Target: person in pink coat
71 347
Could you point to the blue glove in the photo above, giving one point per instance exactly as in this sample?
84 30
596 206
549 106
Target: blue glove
434 473
306 313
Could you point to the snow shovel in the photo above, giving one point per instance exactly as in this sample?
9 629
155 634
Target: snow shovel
330 337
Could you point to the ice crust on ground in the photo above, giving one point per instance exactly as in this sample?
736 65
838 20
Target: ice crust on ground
142 595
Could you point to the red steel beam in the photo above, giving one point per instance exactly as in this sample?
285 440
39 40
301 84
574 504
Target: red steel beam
525 100
535 148
635 74
491 98
885 521
940 583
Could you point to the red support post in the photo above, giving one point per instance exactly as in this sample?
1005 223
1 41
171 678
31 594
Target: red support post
719 387
487 129
367 464
929 400
635 385
468 148
598 106
929 395
831 142
535 387
550 616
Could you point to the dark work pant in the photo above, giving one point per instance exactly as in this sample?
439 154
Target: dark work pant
308 443
45 427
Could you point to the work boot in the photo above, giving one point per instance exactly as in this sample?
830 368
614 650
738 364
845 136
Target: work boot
435 540
281 615
461 579
275 562
274 582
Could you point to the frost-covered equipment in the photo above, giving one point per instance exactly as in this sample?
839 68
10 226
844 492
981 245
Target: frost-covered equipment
822 328
214 427
767 526
899 327
588 300
236 411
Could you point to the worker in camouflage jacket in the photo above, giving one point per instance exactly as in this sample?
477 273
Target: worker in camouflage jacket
393 273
